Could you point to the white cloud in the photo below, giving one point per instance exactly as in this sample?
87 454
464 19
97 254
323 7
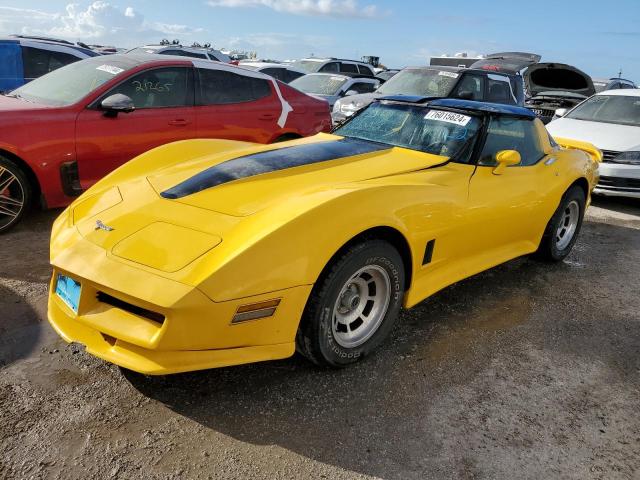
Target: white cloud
100 22
328 8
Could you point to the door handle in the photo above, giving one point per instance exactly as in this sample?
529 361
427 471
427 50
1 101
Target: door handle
179 122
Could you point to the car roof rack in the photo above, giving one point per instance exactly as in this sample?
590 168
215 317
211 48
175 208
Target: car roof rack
44 39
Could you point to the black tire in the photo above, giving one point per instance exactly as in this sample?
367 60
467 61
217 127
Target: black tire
14 187
316 338
551 247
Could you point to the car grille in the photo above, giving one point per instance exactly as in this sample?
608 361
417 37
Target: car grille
617 183
128 307
609 155
543 112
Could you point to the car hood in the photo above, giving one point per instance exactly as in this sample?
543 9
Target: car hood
605 136
10 104
244 184
559 78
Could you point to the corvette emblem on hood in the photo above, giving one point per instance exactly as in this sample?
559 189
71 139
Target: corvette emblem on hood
102 226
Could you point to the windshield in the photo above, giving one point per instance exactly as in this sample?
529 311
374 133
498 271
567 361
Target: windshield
319 84
609 109
420 82
429 130
69 84
309 66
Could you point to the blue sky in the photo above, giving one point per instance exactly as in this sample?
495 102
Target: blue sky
593 36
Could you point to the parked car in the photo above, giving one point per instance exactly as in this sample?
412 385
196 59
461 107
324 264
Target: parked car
436 82
207 253
279 71
204 53
334 65
331 87
603 84
611 121
550 86
23 58
385 75
66 130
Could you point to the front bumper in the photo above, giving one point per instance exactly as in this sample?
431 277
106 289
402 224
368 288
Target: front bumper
185 331
618 180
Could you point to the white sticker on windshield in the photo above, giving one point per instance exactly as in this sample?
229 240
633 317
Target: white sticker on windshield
449 117
448 74
110 69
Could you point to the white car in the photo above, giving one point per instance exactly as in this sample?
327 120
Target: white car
611 121
279 71
205 53
332 87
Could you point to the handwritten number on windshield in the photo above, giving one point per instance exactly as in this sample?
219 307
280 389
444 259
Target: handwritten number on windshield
152 87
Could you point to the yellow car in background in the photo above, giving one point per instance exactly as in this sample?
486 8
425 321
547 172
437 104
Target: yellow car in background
209 253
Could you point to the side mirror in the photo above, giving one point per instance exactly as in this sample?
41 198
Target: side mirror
349 93
466 95
561 112
117 103
506 158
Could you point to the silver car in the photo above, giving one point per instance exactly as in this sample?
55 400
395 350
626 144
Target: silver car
332 87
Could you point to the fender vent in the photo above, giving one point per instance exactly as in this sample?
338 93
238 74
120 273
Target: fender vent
428 252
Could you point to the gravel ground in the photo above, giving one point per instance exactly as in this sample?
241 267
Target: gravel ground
527 371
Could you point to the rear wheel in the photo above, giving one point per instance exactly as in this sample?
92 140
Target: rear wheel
15 194
354 306
563 228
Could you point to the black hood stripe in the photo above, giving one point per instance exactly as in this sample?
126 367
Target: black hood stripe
272 161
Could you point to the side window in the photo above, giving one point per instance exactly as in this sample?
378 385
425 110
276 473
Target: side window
499 91
364 70
348 68
162 87
471 87
279 73
291 76
38 62
363 87
221 87
331 67
506 133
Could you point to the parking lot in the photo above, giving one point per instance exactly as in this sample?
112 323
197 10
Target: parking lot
528 371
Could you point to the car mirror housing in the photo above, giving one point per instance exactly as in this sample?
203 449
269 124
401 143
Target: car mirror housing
506 158
117 103
350 93
561 112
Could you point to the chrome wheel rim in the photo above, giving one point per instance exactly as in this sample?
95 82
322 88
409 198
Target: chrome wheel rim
361 306
568 225
11 197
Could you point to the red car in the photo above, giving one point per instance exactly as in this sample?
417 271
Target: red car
64 131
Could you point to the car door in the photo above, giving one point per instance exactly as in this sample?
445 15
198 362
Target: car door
236 105
507 213
164 113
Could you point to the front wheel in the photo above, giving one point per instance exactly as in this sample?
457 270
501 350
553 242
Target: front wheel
15 194
563 228
353 306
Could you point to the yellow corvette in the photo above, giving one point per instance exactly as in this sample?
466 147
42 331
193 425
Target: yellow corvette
209 253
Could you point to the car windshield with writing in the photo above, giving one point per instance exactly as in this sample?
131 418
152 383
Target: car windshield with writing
71 83
309 66
422 82
609 109
320 84
439 132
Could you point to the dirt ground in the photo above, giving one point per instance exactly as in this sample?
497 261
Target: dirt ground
528 371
